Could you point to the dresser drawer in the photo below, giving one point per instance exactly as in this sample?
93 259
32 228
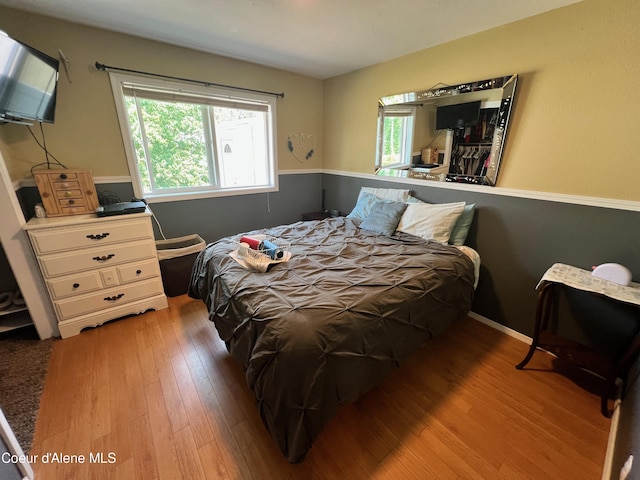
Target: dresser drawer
74 285
107 298
72 209
93 235
67 190
138 271
95 258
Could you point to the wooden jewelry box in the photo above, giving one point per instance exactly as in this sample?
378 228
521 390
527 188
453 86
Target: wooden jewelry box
66 192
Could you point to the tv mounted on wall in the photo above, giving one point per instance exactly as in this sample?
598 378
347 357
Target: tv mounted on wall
460 115
28 83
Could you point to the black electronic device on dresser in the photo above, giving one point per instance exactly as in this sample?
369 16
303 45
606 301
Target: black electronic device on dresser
121 208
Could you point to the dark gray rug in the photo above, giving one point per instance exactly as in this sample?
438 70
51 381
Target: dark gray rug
24 359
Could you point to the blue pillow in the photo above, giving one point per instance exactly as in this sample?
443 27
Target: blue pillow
384 217
363 206
461 228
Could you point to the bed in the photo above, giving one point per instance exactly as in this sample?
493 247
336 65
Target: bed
324 327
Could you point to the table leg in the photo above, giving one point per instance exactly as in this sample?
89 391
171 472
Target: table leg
604 401
620 370
543 311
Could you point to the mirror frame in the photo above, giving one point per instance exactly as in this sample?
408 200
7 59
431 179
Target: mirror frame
507 84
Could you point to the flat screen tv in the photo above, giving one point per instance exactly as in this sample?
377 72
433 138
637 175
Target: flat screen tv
460 115
28 83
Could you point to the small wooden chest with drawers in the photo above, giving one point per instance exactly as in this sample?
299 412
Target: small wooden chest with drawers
66 192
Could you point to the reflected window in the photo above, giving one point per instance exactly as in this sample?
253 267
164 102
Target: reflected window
395 135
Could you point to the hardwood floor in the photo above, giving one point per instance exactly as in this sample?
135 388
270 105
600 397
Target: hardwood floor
158 396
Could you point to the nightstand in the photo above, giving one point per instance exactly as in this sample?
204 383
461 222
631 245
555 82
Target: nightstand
315 216
608 367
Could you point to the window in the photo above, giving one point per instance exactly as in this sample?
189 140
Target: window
185 141
395 136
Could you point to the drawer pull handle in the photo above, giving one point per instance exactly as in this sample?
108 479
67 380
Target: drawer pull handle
71 202
100 236
114 298
63 176
104 258
76 285
138 272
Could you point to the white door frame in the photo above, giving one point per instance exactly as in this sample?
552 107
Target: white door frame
22 259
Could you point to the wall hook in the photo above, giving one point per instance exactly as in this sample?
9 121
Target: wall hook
65 64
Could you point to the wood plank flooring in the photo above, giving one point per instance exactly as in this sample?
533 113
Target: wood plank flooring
159 398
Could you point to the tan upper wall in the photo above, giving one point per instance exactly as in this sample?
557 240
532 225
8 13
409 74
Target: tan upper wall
575 127
576 120
86 131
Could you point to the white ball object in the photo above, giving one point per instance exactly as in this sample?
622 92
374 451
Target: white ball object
614 272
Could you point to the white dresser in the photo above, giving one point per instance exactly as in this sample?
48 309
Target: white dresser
97 269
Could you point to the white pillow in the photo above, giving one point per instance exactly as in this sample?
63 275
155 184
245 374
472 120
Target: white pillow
393 194
431 221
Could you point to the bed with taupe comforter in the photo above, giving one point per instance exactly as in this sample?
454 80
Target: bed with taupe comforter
326 326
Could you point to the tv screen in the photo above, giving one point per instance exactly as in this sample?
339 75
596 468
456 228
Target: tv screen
460 115
28 82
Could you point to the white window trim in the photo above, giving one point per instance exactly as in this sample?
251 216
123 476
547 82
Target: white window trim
118 80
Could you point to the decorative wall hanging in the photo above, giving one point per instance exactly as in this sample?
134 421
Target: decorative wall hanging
296 143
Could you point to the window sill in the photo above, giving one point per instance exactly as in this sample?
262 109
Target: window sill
177 197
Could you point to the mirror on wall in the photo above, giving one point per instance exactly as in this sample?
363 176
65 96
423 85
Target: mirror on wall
451 133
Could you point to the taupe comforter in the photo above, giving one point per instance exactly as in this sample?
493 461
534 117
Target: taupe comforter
326 326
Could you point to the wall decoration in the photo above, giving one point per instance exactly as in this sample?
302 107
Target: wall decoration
301 145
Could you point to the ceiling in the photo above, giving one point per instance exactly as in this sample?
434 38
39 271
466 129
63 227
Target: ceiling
318 38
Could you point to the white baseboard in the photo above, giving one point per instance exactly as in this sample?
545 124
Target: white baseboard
611 442
500 328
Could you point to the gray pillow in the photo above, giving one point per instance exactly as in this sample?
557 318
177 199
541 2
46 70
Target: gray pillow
384 217
461 228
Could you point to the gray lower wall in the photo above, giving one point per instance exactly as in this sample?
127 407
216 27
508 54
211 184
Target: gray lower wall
214 218
517 239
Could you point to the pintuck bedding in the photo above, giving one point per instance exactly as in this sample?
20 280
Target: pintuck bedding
326 326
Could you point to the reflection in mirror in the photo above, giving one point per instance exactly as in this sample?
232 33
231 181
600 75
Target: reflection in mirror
451 133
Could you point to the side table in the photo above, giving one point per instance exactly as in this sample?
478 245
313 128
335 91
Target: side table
315 216
320 215
605 366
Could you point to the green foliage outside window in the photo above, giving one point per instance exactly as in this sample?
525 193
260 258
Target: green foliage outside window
393 132
175 142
